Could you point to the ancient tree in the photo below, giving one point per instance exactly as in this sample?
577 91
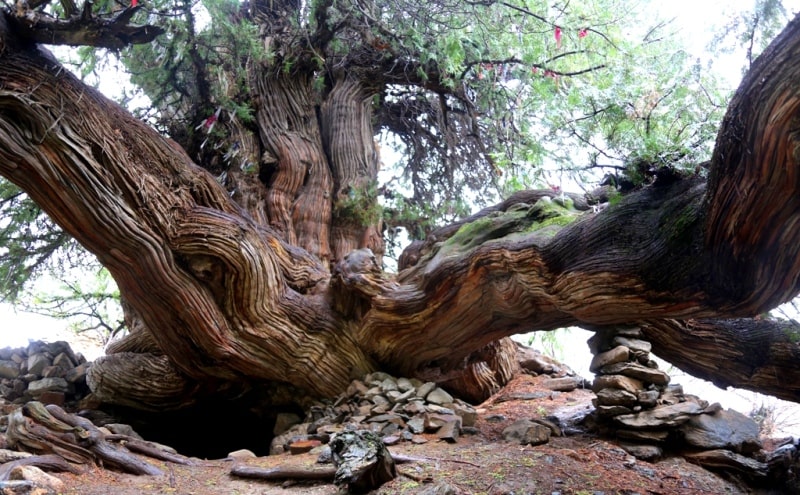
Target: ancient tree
242 225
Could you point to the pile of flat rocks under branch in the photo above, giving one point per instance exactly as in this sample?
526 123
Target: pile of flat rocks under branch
50 373
395 409
636 403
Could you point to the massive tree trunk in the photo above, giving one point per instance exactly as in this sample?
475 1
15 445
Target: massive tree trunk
278 290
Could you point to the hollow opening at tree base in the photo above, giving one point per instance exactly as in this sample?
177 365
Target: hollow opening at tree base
207 430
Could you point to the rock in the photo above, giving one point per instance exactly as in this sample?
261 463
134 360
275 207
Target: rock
9 369
439 409
726 459
616 355
533 361
727 429
527 432
241 454
424 389
648 453
610 411
37 477
564 384
57 398
377 377
449 431
435 421
647 398
389 384
78 373
416 425
280 443
52 372
63 361
303 446
440 488
631 385
38 387
356 387
414 407
418 439
284 421
467 413
439 396
635 345
636 370
616 397
661 417
380 400
37 363
405 385
24 488
391 440
555 429
644 435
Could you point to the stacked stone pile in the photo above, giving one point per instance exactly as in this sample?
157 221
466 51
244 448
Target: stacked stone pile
396 409
627 379
636 403
50 373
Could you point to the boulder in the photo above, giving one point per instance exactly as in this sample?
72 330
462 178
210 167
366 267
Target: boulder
726 429
38 387
9 369
37 363
644 452
424 389
725 459
527 432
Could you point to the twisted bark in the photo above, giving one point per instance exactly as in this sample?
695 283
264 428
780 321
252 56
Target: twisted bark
227 299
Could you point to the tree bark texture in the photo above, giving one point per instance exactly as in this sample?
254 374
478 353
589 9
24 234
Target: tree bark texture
244 293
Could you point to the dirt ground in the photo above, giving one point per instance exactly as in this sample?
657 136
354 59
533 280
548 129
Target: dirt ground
477 464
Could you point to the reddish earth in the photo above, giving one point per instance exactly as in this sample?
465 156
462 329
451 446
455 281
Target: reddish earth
478 464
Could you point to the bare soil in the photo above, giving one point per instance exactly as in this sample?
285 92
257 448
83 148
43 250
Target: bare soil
477 464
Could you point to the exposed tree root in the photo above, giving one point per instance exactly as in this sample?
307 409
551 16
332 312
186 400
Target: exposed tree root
52 431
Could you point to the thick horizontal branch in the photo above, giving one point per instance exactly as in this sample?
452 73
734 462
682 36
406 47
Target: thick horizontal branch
758 355
85 29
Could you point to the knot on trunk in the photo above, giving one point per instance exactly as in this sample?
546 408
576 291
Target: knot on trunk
357 279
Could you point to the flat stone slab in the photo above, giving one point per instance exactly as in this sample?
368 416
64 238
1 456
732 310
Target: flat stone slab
725 459
618 354
636 370
726 429
661 417
621 382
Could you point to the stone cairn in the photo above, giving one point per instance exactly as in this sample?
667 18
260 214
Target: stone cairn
636 403
396 409
50 373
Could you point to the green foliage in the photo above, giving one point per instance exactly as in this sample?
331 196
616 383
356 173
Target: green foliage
359 205
43 270
89 300
550 343
751 30
30 243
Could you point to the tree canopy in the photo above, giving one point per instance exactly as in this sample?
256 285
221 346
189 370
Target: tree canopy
244 213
